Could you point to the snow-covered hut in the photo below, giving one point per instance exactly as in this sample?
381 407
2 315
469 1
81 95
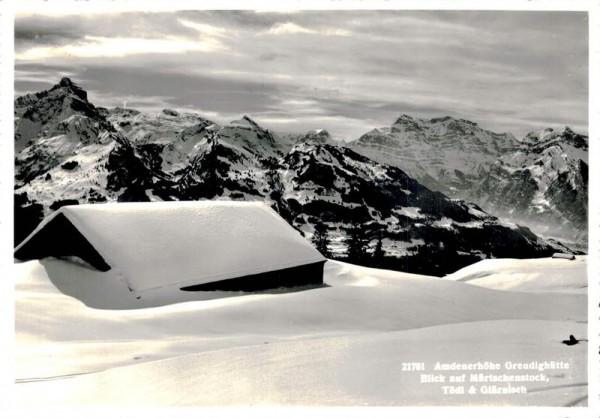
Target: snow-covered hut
207 245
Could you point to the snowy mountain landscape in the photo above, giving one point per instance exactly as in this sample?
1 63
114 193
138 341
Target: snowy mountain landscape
78 153
300 208
348 342
544 183
445 154
540 181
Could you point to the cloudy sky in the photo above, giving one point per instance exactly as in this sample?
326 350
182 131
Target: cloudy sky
345 71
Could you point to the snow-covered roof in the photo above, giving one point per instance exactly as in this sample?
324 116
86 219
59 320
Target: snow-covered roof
151 245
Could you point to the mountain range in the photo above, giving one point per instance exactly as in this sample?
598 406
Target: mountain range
540 180
382 200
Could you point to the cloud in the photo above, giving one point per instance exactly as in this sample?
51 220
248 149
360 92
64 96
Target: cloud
508 71
98 46
205 29
272 56
288 28
48 36
38 30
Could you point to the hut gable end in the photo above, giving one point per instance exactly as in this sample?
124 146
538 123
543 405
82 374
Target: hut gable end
60 238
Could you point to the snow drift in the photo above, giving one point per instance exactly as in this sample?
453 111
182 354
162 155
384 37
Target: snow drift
342 344
534 275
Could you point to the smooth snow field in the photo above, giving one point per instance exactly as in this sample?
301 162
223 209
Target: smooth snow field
367 337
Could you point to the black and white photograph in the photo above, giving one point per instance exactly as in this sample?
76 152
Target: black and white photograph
332 206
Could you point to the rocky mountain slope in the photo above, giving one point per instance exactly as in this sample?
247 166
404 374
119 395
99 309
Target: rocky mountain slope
446 154
69 152
540 181
316 136
544 183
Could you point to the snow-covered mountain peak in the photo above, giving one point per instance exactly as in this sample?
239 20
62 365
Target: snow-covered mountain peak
448 126
538 136
548 137
407 123
170 112
315 136
566 130
48 105
150 126
68 86
249 135
404 118
321 136
445 153
51 112
317 132
444 125
66 82
544 183
377 137
245 121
